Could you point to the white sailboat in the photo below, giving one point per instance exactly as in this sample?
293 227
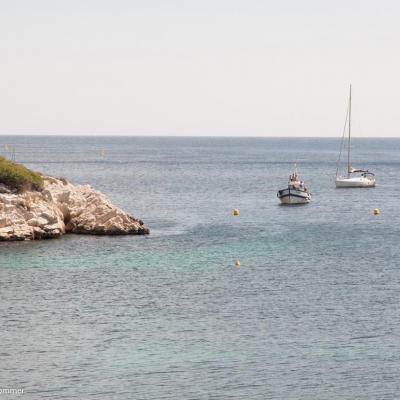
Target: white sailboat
356 177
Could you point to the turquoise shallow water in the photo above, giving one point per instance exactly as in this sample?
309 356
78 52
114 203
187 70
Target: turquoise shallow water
312 313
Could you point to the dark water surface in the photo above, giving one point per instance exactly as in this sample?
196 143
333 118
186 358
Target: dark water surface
312 313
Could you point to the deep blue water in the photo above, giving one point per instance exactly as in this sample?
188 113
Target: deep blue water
312 312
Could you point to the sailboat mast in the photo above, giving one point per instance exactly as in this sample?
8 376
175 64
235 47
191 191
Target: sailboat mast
348 149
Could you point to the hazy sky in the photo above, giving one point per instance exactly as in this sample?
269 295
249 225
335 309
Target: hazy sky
206 67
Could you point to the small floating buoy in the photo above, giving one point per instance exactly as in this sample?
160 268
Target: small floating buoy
237 263
376 211
236 211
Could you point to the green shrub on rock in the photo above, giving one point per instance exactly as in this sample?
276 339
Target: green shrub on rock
17 177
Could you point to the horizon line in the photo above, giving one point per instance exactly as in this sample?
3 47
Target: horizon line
189 136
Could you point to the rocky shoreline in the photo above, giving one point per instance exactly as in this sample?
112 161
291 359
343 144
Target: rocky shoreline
61 208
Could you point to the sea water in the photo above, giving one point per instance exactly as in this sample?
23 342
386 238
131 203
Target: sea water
312 312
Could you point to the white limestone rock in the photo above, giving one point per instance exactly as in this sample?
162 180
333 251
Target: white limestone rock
62 208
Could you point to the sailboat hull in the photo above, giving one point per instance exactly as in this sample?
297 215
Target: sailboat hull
354 182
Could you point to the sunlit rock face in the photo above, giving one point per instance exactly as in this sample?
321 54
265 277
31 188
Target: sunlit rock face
62 208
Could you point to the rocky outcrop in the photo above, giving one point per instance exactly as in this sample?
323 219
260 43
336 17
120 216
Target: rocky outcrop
62 208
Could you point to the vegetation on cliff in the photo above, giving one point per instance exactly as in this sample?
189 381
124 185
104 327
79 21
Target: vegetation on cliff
16 176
